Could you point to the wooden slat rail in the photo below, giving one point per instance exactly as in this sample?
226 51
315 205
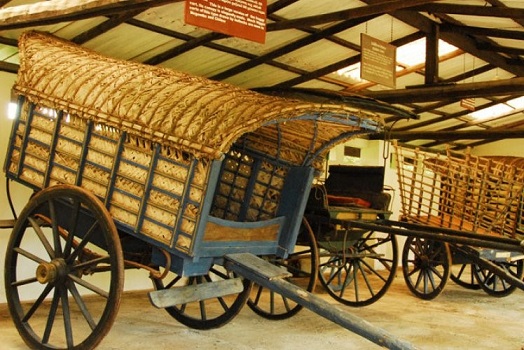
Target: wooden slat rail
7 223
182 295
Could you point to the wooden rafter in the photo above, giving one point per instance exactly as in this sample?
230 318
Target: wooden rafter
462 41
113 22
479 31
447 117
447 135
49 12
471 10
378 8
336 28
437 92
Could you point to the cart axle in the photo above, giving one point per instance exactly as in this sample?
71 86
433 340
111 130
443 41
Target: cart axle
48 272
165 298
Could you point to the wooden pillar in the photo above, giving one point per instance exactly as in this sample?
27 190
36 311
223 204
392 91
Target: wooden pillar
432 60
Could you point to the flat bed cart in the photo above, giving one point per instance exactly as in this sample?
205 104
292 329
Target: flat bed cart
142 167
475 203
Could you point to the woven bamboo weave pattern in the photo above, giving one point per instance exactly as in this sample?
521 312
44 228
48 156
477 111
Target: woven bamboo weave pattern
126 195
195 114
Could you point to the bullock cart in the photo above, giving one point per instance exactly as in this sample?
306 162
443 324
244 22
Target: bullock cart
194 180
461 194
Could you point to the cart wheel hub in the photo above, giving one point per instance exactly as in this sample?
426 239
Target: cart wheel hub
48 272
424 261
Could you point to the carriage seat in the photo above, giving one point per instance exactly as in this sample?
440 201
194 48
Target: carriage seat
350 189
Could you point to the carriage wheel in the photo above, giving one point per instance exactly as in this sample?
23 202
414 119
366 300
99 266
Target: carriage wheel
426 265
493 284
362 273
64 249
209 313
463 275
303 265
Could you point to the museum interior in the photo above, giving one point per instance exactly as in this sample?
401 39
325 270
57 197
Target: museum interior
262 174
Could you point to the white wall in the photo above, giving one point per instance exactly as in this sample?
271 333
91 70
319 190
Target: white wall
372 154
19 193
510 147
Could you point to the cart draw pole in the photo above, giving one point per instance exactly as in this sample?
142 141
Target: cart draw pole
273 277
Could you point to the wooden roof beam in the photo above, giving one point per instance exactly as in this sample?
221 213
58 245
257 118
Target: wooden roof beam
446 117
471 10
480 31
503 87
378 8
50 12
317 74
8 67
489 134
459 40
432 56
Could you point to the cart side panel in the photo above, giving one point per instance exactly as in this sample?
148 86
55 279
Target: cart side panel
151 191
460 191
295 196
257 206
249 188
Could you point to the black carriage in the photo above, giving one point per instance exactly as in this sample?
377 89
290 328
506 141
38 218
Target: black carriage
356 266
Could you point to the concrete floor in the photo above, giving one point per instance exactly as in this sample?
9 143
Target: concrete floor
457 319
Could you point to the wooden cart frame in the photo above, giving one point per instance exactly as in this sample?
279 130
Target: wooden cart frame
460 192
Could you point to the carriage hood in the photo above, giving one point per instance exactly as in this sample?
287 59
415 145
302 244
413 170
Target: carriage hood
194 114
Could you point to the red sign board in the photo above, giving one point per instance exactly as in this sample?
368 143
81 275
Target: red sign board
241 18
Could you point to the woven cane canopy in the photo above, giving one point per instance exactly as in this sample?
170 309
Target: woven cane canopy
194 114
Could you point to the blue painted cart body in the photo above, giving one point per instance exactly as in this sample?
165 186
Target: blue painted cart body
243 192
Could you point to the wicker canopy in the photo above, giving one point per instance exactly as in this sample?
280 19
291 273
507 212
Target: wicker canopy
195 114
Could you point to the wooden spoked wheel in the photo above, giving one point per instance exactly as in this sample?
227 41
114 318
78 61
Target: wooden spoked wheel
360 273
463 275
65 256
209 313
493 284
426 266
303 266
